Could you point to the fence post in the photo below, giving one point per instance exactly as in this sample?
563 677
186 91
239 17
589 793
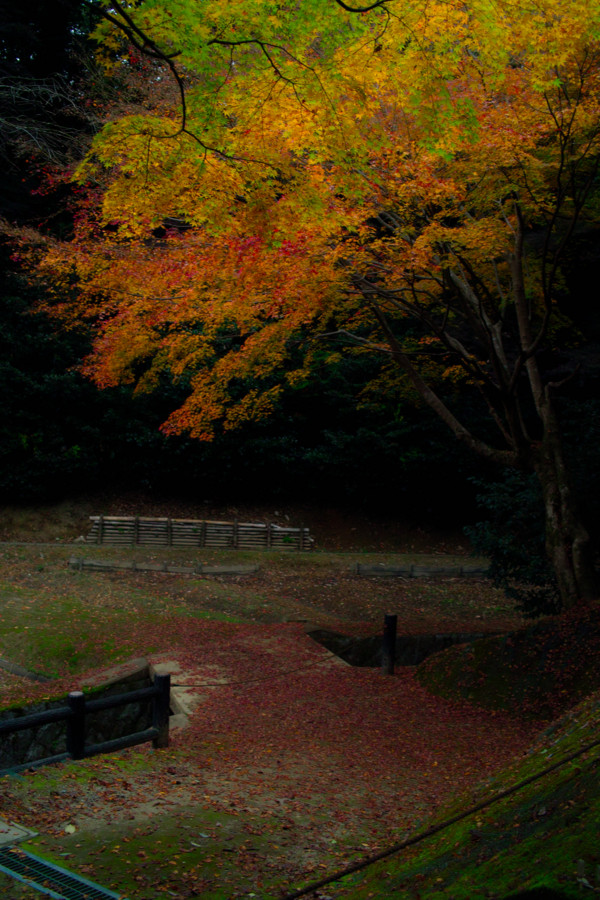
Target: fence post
76 725
388 646
160 710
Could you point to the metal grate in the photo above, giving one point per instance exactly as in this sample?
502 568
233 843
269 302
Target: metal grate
50 879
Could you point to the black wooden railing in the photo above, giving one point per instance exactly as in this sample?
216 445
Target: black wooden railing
75 712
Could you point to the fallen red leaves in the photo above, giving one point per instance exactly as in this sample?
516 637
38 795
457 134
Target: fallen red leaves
541 670
327 727
319 759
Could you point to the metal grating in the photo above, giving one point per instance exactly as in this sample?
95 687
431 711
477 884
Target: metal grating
50 879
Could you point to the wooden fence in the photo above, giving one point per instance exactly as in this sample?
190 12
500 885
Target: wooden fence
75 712
197 533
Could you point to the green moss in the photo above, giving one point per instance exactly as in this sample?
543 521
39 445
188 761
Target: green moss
533 838
202 850
539 671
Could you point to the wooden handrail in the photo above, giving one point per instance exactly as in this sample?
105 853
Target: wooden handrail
74 714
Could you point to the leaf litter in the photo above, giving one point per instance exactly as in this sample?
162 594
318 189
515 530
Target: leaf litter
292 763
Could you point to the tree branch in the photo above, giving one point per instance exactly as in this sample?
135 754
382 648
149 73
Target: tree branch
362 9
504 457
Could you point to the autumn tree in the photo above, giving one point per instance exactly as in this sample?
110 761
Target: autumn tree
399 180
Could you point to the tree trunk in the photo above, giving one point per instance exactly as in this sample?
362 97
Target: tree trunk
567 540
568 544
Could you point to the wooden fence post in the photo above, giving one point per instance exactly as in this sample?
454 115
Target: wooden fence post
160 710
76 725
388 646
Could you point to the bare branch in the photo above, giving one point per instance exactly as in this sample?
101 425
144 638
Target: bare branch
379 4
505 457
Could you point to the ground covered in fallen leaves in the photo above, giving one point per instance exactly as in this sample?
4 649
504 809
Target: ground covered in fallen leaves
292 763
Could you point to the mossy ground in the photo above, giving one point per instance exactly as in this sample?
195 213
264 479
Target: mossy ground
66 622
541 836
541 669
535 838
172 846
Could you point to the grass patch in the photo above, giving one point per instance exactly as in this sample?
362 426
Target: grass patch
61 635
540 670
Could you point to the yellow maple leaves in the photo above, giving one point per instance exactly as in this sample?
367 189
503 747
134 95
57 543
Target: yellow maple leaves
312 158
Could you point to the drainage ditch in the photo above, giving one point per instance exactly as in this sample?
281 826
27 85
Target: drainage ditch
411 649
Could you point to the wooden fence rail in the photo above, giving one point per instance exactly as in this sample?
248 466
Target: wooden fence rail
75 712
197 533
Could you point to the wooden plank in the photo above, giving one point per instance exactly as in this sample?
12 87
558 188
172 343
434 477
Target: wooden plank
196 533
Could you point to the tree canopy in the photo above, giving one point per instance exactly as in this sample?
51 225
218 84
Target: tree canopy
400 179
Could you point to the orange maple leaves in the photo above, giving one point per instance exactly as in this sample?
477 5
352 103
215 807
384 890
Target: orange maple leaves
387 173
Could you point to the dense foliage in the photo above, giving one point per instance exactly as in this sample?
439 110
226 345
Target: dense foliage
276 189
61 435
